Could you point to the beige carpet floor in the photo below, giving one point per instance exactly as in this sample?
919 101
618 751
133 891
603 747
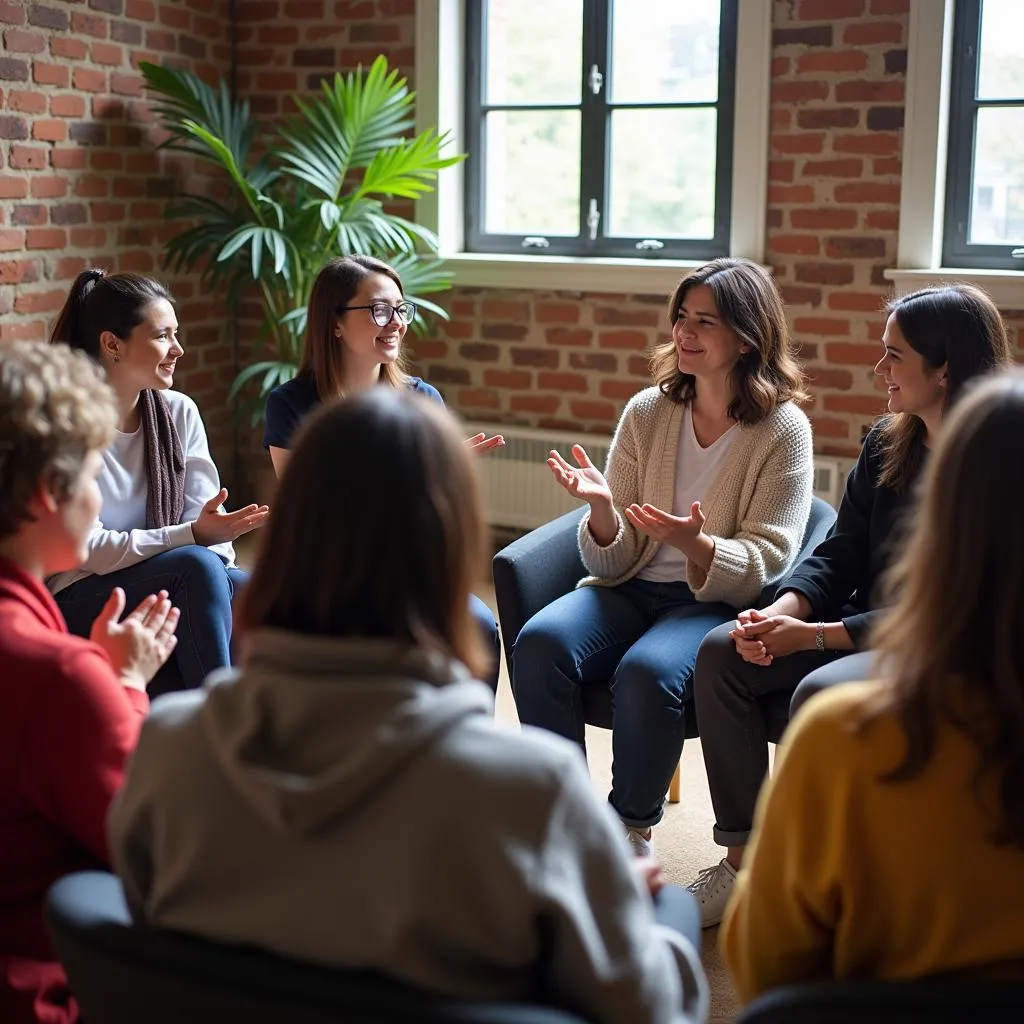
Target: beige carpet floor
682 841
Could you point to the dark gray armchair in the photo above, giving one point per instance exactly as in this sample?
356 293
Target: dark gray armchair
545 564
124 974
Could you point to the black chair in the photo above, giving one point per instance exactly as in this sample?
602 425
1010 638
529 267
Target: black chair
545 564
890 1002
124 974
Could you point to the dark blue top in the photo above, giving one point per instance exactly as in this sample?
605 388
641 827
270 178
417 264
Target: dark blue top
840 577
290 403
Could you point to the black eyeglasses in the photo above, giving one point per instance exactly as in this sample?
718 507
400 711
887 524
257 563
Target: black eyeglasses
383 312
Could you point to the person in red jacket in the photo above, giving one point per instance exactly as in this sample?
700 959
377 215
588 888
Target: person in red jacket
70 708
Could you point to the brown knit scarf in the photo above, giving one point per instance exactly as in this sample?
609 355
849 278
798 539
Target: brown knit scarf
165 462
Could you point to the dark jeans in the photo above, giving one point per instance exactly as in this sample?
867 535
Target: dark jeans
485 617
733 734
200 585
849 668
640 637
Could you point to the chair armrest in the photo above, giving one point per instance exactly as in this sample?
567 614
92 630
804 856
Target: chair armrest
531 572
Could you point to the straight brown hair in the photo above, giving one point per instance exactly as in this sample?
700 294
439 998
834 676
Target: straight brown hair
388 547
957 326
950 647
750 306
323 355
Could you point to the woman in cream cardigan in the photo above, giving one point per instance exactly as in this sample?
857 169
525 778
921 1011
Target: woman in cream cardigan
703 503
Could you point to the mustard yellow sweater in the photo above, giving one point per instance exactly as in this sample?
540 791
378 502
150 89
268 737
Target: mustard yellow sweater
847 877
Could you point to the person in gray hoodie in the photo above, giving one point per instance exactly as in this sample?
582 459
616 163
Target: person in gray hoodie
345 796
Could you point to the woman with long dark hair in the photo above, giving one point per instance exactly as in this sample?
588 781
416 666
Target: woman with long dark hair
356 321
815 633
346 797
162 525
888 843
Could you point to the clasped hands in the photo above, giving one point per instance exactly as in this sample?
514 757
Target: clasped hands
760 638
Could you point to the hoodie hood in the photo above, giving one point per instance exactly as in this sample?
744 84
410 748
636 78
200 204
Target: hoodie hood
311 726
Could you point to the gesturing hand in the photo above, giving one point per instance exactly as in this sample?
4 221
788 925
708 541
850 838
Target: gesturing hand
480 443
763 638
679 531
215 527
584 481
142 642
652 877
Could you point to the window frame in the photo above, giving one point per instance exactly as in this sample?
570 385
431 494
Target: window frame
595 142
439 77
957 250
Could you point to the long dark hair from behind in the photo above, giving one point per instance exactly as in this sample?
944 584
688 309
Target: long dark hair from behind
398 560
100 302
323 355
957 326
949 648
750 306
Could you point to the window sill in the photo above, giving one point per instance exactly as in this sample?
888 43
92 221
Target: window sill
568 273
1006 287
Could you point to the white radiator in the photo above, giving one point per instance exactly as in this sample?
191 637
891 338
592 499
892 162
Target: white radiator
520 492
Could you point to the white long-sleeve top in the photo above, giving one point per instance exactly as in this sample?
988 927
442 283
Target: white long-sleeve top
119 538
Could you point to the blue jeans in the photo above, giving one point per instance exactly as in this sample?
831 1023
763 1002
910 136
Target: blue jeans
642 638
485 617
200 585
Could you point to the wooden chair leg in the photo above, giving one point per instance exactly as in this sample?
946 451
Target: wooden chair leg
673 788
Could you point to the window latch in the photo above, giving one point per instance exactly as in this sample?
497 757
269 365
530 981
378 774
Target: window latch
535 242
649 245
595 79
593 219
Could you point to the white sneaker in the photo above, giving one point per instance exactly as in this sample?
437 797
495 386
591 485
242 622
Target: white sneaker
641 845
713 887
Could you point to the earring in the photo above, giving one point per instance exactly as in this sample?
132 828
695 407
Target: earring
117 358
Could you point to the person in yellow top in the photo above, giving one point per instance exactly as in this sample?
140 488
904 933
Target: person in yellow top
890 842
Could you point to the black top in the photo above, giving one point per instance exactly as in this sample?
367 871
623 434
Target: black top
840 577
290 403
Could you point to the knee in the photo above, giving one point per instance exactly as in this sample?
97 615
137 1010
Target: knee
812 683
202 569
716 654
643 687
540 645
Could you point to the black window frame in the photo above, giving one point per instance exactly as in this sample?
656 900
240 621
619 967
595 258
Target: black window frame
957 250
594 148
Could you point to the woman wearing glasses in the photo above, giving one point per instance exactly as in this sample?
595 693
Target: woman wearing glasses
355 322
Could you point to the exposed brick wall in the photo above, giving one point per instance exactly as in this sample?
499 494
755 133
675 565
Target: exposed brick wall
80 182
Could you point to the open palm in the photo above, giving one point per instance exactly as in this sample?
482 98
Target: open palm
584 480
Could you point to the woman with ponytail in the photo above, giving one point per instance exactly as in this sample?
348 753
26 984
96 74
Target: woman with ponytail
162 525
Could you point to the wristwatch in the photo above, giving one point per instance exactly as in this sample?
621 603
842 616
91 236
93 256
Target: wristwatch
819 637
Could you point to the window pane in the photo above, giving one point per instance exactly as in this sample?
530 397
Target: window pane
997 200
1001 63
534 51
532 173
663 174
664 51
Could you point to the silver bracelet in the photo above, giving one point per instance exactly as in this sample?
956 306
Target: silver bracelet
819 637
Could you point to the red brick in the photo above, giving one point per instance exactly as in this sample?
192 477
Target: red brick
50 74
618 389
798 92
800 142
140 10
68 159
542 357
873 32
39 302
505 332
623 339
88 25
603 362
278 81
829 426
556 313
873 143
638 366
33 330
868 302
868 192
561 381
505 309
16 41
829 377
855 247
48 187
49 131
795 295
869 92
534 403
790 194
92 186
890 6
585 410
45 238
126 85
19 271
12 187
174 17
615 316
781 170
88 238
69 267
28 158
568 336
824 273
12 12
882 220
838 61
512 379
886 166
850 167
106 53
479 398
821 325
864 405
88 80
72 49
830 217
850 354
26 102
829 10
800 245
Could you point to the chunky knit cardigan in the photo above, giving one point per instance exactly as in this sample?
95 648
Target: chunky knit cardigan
756 507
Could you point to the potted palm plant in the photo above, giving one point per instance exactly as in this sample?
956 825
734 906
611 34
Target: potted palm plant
315 186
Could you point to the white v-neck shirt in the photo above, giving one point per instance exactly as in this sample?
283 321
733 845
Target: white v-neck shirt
696 468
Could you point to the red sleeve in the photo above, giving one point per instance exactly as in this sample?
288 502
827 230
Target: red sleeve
77 744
